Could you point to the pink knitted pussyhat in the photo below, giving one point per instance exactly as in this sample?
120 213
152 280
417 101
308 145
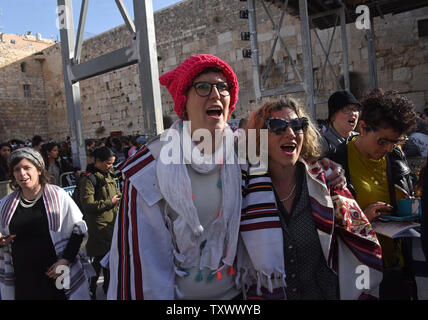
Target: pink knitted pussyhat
181 78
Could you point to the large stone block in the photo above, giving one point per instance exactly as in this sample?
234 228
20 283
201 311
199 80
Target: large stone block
418 99
267 36
225 38
191 48
105 117
402 74
288 30
419 80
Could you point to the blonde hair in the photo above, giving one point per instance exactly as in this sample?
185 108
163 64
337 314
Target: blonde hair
311 149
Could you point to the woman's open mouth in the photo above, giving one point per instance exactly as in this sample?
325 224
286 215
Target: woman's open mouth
215 113
352 122
288 148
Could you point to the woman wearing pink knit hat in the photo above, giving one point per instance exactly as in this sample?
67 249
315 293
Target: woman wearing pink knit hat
177 228
176 233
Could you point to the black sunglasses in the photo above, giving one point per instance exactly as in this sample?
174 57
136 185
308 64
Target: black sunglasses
279 125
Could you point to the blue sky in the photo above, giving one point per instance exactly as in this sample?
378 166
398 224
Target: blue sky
39 16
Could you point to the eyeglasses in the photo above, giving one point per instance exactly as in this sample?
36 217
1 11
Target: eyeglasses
384 141
279 125
204 89
349 109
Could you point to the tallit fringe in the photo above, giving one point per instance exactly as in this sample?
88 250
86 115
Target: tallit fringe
180 273
178 294
245 278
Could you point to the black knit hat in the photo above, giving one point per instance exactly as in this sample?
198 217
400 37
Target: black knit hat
339 100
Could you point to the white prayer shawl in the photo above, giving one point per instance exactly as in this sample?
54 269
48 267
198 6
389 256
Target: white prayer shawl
221 236
64 218
143 260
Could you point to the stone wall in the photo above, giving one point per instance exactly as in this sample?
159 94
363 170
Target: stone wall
21 63
112 102
402 57
21 116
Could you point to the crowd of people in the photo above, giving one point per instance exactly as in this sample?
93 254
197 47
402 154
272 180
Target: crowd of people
37 171
222 230
57 155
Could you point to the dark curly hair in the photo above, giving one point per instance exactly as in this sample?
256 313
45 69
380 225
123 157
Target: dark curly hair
388 109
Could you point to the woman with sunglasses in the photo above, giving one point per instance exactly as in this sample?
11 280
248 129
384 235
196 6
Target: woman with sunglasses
313 236
343 113
378 176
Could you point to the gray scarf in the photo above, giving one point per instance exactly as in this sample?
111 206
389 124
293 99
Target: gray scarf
27 153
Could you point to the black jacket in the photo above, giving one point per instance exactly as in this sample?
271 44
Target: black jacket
398 170
4 169
424 218
398 173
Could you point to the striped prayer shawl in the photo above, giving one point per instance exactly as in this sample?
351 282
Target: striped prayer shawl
124 242
143 260
261 236
129 274
50 199
135 163
64 218
260 211
336 215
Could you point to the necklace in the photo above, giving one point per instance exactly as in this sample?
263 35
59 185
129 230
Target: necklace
289 195
29 203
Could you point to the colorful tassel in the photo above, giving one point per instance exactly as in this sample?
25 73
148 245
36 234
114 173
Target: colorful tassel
199 276
186 271
219 184
230 271
211 276
219 276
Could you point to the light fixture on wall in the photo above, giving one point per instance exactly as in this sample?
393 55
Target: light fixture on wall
243 14
245 36
246 53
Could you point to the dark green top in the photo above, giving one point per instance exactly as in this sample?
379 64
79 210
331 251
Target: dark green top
98 211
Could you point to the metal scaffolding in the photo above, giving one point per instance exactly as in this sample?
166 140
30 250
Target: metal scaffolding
305 82
141 51
318 15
